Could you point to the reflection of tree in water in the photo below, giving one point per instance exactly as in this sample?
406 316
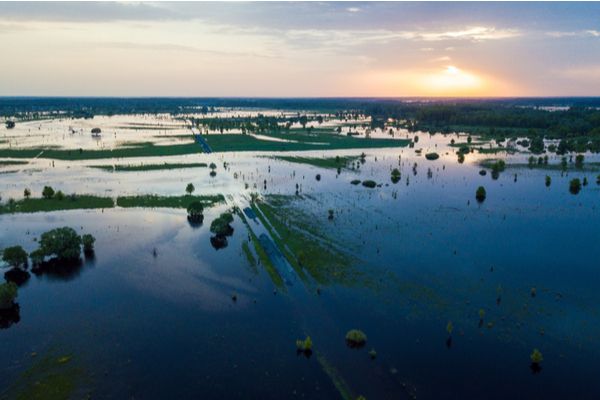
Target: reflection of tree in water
59 269
17 275
221 228
9 316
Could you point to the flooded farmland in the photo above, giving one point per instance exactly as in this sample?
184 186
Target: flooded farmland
308 232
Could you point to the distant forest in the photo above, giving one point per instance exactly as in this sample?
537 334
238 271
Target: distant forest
576 120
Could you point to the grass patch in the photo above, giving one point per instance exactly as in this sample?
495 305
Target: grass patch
263 256
249 256
52 377
11 162
147 150
304 250
324 162
153 201
239 142
147 167
76 202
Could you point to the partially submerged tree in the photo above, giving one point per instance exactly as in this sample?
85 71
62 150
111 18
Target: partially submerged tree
304 346
480 194
27 193
62 243
88 243
575 186
195 212
15 256
8 294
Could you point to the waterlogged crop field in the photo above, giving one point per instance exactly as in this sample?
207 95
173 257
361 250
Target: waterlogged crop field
236 250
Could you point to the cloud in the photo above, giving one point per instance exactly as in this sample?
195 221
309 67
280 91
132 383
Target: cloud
353 9
579 34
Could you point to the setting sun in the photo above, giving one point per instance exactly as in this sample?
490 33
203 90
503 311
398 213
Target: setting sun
451 81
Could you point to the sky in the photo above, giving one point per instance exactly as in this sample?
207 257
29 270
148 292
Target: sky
314 49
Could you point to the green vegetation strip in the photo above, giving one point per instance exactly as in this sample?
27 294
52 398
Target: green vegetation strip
324 162
45 205
147 167
81 202
11 162
153 201
239 142
263 256
145 150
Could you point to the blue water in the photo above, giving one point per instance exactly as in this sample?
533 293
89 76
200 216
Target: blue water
166 326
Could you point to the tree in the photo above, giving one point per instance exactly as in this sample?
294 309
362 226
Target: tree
480 194
8 294
15 256
575 186
10 124
195 212
190 188
59 195
548 181
88 243
48 192
27 193
579 160
63 243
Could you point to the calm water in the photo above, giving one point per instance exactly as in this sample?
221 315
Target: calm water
141 326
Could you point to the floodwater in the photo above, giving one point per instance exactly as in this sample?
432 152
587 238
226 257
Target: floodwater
141 324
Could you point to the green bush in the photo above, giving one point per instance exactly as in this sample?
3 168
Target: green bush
195 211
432 156
189 189
8 294
356 338
480 194
62 243
88 243
15 256
369 183
48 192
575 186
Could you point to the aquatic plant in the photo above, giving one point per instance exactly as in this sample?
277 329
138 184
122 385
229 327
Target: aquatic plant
62 243
449 327
396 175
372 354
355 181
461 158
330 216
304 346
432 156
48 192
548 181
356 338
15 256
8 294
533 292
481 313
536 357
585 181
189 189
579 160
369 183
318 177
483 172
575 186
88 243
480 194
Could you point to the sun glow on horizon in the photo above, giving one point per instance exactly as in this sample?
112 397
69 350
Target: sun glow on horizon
449 81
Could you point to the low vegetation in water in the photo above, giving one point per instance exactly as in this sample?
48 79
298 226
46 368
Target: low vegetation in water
147 167
321 162
480 194
56 203
432 156
155 201
356 338
8 294
369 184
304 346
575 186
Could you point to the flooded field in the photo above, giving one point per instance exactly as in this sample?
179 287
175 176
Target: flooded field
344 227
